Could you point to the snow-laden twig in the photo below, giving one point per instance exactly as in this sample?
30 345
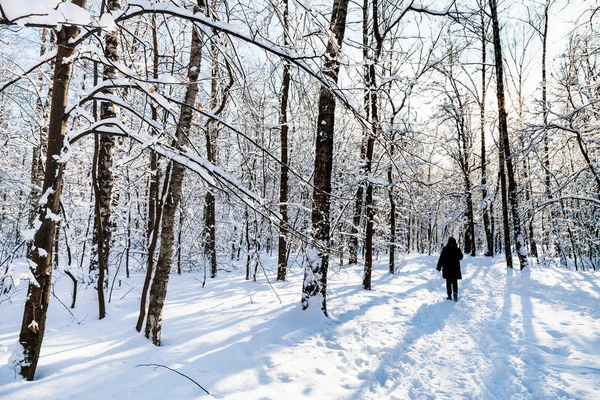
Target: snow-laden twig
12 254
568 197
25 71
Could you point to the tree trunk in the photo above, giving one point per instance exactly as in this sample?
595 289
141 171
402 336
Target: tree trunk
464 151
553 233
153 189
155 203
210 251
505 155
99 263
179 240
546 155
464 140
392 257
358 202
39 150
38 297
283 180
489 232
217 105
158 290
369 206
247 218
152 250
315 273
128 239
104 179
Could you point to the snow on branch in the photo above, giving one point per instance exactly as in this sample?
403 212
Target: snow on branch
211 174
569 197
25 71
420 8
137 8
42 13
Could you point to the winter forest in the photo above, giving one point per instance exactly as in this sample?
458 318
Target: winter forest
234 142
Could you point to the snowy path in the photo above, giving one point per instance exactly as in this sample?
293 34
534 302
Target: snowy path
502 340
512 335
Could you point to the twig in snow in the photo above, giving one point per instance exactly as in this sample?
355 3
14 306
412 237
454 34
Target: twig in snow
171 369
66 308
269 282
127 293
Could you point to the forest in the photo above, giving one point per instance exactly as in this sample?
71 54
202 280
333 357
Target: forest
162 138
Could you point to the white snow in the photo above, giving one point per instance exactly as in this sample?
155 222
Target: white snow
51 216
107 22
44 12
28 234
512 335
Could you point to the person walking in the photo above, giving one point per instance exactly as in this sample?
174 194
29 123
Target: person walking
449 264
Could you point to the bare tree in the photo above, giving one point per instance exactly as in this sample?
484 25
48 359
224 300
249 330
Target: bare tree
315 272
487 226
38 298
505 154
104 176
284 178
158 290
457 111
39 150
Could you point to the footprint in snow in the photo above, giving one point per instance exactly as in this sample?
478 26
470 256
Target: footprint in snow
554 334
559 351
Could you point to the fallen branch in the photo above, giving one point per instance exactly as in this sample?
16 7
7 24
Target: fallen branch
171 369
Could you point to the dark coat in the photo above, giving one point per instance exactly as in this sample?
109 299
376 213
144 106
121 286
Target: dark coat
449 262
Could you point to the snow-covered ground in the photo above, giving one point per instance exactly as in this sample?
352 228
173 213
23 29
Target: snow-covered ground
512 335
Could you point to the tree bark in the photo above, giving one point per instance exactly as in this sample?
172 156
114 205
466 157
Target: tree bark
158 290
489 232
153 187
392 248
152 250
104 179
210 250
546 154
99 263
369 206
505 154
315 273
470 245
283 180
38 298
39 150
372 134
358 202
463 159
155 203
217 106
